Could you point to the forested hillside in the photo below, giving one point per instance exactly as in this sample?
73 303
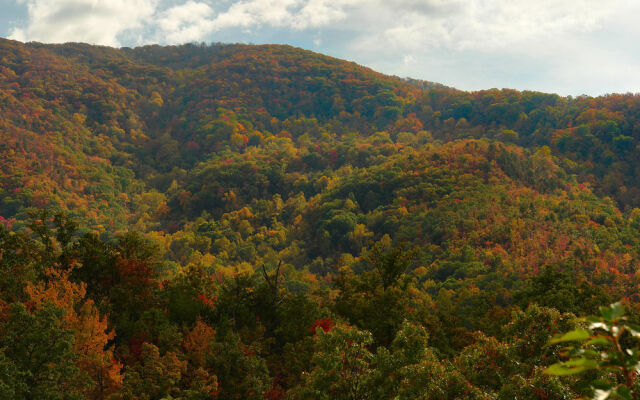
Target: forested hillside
264 222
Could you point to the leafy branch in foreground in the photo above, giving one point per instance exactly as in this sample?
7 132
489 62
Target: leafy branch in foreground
609 344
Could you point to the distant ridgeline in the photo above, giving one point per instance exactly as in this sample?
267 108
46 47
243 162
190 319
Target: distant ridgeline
247 221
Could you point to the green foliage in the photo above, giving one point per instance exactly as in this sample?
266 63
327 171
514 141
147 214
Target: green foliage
156 377
343 367
18 264
556 289
529 331
487 363
237 219
377 299
608 344
535 386
242 373
36 356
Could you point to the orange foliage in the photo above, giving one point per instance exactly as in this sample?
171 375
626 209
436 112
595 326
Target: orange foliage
91 334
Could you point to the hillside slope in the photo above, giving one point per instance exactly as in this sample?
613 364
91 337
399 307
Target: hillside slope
168 140
262 222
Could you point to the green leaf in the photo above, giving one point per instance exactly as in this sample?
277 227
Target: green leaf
571 367
591 354
600 341
573 352
561 370
575 335
613 312
591 319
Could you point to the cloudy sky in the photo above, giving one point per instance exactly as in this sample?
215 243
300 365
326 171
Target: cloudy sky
570 47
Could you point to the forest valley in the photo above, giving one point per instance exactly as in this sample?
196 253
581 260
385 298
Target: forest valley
263 222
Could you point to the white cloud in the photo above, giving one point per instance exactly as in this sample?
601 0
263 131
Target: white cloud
475 24
107 21
565 46
296 14
92 21
408 59
247 14
188 22
399 24
318 13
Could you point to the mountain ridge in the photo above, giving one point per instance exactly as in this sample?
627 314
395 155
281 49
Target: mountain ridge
237 220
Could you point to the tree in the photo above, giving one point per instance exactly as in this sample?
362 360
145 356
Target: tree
487 363
341 366
18 264
155 377
344 368
242 374
553 288
36 355
92 340
377 299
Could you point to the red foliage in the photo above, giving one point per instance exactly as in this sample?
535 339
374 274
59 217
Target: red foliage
192 146
541 393
137 276
206 301
135 347
325 324
275 393
333 156
248 351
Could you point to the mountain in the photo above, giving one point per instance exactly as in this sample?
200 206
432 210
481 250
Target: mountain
208 210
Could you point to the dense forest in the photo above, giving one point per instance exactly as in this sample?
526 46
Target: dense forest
263 222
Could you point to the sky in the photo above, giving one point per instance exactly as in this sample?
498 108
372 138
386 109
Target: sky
570 47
